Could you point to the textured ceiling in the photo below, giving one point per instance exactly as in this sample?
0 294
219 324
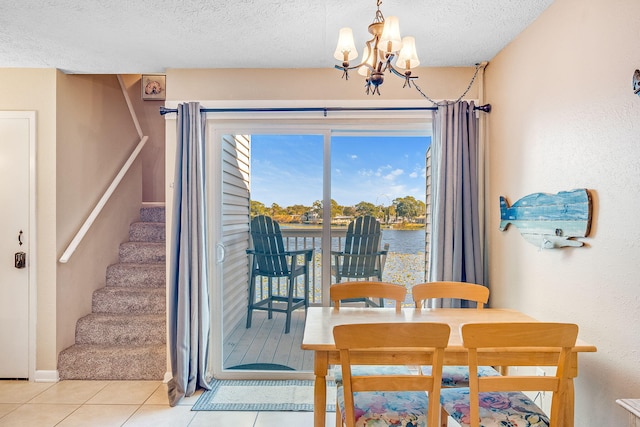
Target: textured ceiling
149 36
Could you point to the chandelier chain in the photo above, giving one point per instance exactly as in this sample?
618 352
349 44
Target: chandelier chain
475 74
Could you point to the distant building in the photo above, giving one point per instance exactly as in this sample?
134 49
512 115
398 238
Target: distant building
342 219
310 217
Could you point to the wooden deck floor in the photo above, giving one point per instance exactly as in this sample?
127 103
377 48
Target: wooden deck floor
266 343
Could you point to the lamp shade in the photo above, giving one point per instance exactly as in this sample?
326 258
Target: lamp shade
367 56
390 41
345 44
408 53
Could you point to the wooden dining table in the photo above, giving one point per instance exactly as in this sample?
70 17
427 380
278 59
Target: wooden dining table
318 337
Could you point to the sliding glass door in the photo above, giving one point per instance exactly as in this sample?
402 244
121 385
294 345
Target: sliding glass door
312 180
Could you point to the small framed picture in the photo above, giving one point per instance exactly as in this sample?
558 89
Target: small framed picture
153 87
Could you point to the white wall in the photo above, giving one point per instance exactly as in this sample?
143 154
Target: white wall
564 116
30 89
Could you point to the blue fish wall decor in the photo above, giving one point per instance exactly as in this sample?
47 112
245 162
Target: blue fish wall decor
550 220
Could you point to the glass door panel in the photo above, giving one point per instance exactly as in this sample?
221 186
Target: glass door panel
384 176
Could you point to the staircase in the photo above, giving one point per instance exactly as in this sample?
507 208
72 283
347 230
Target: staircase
124 338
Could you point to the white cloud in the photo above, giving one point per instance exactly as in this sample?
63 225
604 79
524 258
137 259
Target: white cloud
382 170
394 174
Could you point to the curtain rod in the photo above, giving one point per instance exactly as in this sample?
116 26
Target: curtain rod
163 110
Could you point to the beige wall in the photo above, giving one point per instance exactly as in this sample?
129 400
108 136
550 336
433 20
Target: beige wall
310 84
152 125
95 136
565 117
35 90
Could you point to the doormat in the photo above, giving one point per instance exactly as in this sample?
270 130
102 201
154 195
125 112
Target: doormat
257 395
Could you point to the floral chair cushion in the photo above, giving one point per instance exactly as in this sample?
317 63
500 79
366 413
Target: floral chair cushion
359 370
497 409
380 409
458 376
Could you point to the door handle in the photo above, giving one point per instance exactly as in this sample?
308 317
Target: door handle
221 253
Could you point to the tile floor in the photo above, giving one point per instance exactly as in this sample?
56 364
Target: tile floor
122 403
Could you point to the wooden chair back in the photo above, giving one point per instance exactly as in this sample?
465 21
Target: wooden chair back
526 338
393 339
459 290
357 290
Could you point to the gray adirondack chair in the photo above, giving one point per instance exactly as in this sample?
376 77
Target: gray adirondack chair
362 256
270 259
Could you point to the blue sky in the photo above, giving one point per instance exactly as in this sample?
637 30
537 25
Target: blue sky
287 169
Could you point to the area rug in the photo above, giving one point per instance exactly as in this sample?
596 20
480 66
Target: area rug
269 395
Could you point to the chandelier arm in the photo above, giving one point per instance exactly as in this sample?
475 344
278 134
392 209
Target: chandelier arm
399 74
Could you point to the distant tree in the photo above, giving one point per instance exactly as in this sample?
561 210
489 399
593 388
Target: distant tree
258 208
383 213
408 207
336 209
366 208
276 209
296 209
349 211
391 209
317 208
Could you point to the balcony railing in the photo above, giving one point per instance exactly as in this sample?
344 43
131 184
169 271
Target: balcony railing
311 238
402 268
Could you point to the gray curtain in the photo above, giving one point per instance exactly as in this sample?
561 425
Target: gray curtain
455 236
189 316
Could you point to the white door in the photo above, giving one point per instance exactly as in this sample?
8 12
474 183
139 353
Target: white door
17 135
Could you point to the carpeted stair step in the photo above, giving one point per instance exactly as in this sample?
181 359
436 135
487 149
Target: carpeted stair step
142 252
153 214
121 329
119 300
147 232
124 338
99 362
136 275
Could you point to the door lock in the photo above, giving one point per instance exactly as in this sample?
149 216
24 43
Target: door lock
21 260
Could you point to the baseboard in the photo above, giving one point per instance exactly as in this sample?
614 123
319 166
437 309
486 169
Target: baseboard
167 377
46 376
153 204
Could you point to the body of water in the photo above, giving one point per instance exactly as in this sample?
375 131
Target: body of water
404 241
400 241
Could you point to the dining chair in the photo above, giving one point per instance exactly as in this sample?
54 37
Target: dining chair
272 261
356 291
457 290
490 401
410 398
453 376
350 291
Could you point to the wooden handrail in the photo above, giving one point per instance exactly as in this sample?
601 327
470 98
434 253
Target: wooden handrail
75 242
101 203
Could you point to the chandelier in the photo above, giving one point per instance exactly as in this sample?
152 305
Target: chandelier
385 45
